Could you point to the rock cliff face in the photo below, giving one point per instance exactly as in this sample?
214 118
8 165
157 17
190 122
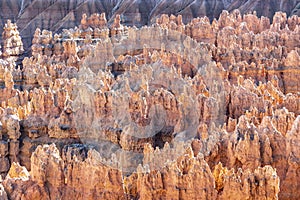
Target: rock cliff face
174 110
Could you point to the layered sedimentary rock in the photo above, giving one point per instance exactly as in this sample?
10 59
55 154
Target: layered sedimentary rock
174 110
57 15
12 43
78 174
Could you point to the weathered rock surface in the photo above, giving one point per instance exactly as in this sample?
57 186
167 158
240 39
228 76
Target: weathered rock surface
49 15
3 194
174 110
79 174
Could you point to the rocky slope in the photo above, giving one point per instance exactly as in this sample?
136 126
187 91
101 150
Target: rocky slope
174 110
59 14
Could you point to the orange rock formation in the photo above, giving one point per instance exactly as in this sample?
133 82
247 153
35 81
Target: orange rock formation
203 110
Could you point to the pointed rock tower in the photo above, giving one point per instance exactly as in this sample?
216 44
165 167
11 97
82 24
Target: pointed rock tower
12 44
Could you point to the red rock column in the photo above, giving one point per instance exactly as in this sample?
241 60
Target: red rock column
4 162
13 132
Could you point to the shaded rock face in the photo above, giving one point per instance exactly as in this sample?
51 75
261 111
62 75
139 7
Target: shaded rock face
57 15
197 110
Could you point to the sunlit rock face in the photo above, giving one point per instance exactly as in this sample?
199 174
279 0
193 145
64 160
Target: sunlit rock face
178 109
60 14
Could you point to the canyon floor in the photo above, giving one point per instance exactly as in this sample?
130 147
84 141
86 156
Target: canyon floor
180 108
